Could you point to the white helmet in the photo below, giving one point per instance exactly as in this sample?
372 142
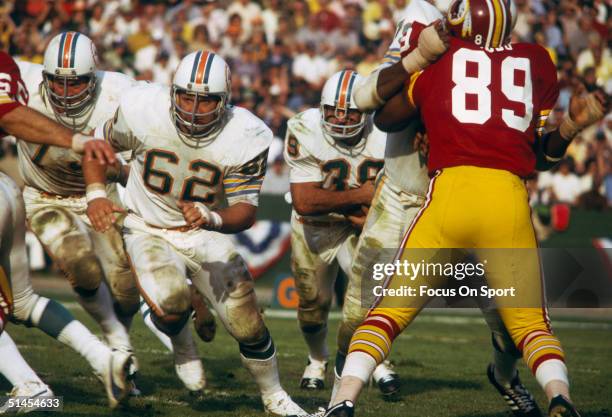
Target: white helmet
339 93
201 73
70 56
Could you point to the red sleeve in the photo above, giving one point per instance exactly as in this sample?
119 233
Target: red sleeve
546 87
12 88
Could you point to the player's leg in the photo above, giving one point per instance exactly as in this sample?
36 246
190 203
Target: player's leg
20 375
110 251
161 278
54 319
221 275
371 342
314 266
524 315
390 213
66 239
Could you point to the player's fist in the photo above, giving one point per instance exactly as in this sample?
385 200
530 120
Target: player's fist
101 213
586 109
197 215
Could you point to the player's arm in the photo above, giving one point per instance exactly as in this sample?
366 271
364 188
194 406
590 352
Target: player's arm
29 125
241 186
421 47
306 178
100 209
584 110
309 199
398 112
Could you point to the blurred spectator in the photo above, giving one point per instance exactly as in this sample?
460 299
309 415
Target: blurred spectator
281 52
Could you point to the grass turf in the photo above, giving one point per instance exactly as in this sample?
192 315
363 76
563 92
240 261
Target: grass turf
441 359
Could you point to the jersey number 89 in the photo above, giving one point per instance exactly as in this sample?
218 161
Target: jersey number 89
480 84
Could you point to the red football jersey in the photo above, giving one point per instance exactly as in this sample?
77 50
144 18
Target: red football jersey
483 108
13 92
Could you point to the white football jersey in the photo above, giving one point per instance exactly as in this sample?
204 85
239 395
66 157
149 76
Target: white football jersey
58 170
404 166
164 170
313 156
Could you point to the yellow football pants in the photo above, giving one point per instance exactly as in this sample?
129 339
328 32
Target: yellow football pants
487 211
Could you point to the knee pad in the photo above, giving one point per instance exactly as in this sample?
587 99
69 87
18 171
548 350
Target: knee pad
502 342
245 321
172 295
23 306
170 324
69 245
261 349
125 294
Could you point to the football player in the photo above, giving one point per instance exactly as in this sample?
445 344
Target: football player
195 176
483 103
403 187
69 89
334 153
18 302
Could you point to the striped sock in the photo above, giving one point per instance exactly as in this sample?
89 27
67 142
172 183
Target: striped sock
540 346
374 337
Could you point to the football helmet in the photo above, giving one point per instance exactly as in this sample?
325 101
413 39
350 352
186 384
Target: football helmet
339 94
70 56
200 74
486 23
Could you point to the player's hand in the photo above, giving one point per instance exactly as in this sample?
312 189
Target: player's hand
101 213
434 40
586 109
197 215
193 217
357 220
99 150
366 194
421 144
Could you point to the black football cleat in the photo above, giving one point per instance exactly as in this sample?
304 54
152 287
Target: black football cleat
562 407
386 379
516 395
343 409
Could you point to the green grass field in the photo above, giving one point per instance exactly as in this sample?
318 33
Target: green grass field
441 358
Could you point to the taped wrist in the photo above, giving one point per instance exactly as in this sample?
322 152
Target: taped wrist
94 191
78 142
213 220
414 62
366 94
569 129
430 44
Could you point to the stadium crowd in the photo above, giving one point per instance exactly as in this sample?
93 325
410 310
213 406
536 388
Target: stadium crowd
281 52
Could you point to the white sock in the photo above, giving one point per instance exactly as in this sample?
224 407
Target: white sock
551 370
100 307
183 345
265 374
14 368
505 367
317 343
80 339
145 310
359 365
